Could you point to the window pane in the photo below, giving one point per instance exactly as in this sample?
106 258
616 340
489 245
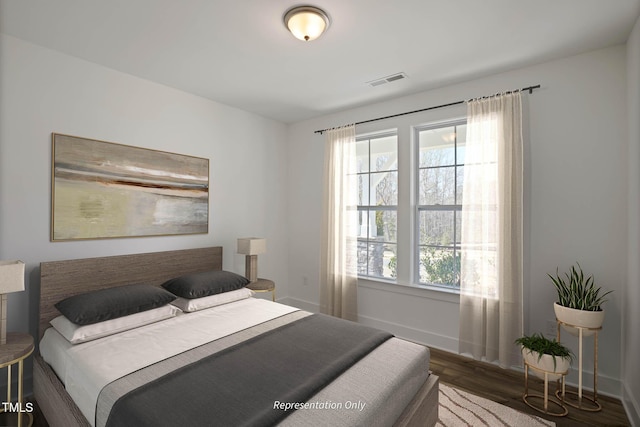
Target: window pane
437 186
384 153
461 142
363 190
459 184
363 223
384 188
437 147
440 177
436 228
385 228
379 225
377 186
362 258
382 260
362 155
439 266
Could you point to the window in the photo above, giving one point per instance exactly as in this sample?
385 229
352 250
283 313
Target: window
377 158
437 180
440 175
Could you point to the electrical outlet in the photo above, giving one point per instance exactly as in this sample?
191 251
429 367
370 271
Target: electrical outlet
305 281
552 328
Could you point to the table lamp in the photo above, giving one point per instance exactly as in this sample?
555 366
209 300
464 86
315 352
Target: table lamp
11 280
251 247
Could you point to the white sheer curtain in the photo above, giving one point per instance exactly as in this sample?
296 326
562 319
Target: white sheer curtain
491 247
338 260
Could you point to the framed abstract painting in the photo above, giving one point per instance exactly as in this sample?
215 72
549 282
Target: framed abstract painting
106 190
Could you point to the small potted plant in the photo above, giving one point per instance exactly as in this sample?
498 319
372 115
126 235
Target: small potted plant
546 354
579 301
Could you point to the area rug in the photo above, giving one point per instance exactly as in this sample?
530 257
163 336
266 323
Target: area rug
459 408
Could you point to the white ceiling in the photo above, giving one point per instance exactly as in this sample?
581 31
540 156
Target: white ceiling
239 53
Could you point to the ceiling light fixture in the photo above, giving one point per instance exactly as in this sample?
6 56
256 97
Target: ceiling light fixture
306 22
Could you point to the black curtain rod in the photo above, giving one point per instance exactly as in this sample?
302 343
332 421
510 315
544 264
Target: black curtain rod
530 89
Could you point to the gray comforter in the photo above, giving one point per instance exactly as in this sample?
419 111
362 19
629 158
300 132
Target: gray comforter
254 378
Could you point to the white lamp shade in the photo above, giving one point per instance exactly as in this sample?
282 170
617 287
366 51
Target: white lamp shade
306 22
252 245
11 276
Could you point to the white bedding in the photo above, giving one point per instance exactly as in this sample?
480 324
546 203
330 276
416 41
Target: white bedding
86 368
387 379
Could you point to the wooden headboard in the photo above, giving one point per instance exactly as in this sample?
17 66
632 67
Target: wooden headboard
62 279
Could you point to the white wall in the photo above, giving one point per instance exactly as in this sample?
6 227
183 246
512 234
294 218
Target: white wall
267 180
575 200
631 319
44 91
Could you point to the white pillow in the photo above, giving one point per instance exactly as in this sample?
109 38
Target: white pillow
195 304
76 334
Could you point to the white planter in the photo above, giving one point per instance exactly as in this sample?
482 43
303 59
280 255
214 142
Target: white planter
546 364
582 318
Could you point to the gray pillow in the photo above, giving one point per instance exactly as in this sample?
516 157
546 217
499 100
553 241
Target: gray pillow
104 304
198 285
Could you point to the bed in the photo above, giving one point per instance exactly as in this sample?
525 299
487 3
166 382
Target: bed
389 384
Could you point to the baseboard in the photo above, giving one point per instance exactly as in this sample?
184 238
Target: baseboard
301 304
412 334
631 406
607 386
401 331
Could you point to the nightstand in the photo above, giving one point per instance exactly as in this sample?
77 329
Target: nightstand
263 285
19 346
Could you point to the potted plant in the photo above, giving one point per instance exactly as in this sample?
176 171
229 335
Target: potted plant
579 301
546 354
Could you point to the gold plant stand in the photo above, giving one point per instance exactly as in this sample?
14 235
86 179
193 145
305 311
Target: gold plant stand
582 401
526 397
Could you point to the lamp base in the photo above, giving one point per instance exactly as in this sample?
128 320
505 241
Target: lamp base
251 267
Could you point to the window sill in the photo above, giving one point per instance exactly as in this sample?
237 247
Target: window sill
421 291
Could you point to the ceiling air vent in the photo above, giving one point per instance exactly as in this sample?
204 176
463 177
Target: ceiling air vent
388 79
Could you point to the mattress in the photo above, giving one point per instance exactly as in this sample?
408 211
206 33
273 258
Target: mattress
372 392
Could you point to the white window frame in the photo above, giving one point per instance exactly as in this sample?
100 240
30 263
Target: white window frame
407 235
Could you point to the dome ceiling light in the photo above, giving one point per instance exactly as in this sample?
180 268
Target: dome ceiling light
306 22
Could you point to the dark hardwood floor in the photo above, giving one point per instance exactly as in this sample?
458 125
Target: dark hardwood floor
506 387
